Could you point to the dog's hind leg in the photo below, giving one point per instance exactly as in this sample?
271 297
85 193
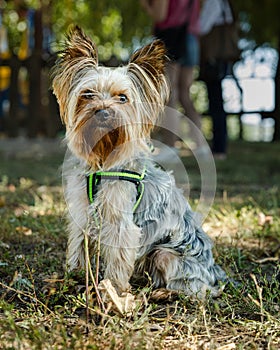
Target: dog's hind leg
174 271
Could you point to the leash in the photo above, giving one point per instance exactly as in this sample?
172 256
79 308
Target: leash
94 180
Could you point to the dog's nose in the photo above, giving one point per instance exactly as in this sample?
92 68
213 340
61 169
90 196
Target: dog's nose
102 114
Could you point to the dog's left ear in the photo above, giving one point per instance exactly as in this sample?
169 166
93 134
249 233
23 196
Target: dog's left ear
151 59
146 69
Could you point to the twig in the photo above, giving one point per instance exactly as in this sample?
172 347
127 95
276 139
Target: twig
89 273
264 260
98 312
32 279
28 296
87 268
260 303
98 249
205 321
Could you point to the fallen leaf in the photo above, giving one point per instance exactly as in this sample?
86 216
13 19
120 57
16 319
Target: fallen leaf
12 188
264 219
25 230
124 304
2 201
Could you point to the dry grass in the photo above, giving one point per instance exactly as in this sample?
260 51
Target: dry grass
41 307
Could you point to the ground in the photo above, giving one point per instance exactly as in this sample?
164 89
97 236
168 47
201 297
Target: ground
42 307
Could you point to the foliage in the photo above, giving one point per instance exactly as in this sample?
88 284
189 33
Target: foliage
260 20
41 307
116 26
119 25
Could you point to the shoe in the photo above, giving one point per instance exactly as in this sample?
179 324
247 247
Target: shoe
220 156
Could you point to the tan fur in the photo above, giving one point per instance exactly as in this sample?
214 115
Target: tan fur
80 53
109 115
77 71
76 76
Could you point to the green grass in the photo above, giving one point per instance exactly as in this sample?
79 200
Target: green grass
42 307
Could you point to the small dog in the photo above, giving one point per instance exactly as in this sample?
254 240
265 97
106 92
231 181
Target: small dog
116 194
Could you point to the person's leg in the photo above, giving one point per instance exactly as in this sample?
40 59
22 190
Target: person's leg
185 82
186 78
170 122
218 115
172 71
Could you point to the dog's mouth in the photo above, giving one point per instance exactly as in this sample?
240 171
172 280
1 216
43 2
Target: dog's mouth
104 126
95 129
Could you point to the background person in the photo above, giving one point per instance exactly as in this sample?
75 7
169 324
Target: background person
176 23
215 13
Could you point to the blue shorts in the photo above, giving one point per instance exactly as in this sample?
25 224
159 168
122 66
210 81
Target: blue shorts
192 53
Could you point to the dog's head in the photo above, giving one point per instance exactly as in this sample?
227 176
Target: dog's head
109 112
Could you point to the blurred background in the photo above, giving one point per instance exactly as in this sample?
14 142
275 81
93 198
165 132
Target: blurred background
31 32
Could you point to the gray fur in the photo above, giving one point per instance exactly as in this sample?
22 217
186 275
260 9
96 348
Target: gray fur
160 239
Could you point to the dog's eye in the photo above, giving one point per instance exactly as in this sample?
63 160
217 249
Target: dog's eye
89 95
123 98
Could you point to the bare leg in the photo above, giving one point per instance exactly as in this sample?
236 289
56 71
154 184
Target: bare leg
171 122
185 81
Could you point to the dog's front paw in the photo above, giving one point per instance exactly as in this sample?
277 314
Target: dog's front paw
121 288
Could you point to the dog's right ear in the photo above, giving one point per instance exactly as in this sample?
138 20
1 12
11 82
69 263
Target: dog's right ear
78 56
79 45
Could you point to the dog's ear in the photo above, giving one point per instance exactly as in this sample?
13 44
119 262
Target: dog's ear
79 55
79 45
146 69
151 59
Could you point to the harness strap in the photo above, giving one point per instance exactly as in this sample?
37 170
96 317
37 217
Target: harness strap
94 179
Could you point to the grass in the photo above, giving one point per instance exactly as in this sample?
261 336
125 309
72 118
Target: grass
42 307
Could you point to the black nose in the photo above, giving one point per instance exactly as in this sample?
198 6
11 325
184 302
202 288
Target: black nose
102 114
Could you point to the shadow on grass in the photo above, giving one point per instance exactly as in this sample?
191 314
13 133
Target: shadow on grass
44 305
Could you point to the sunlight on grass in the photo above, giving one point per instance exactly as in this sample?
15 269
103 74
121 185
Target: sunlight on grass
42 307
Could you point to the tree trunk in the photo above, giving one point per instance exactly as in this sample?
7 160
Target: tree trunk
12 121
34 67
276 135
34 106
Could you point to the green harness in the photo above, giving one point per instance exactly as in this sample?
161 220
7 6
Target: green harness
94 179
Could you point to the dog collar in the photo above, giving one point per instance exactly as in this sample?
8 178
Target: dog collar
94 179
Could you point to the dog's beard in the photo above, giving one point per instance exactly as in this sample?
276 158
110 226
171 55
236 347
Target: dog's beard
102 143
107 144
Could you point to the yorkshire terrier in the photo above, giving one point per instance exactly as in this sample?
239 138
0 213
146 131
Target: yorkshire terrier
116 194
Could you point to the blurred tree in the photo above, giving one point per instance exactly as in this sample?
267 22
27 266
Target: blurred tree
260 23
260 20
117 26
36 29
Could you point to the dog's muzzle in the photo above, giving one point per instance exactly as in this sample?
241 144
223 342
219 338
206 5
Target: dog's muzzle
102 115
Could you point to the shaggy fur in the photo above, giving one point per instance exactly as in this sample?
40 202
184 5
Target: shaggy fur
109 115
